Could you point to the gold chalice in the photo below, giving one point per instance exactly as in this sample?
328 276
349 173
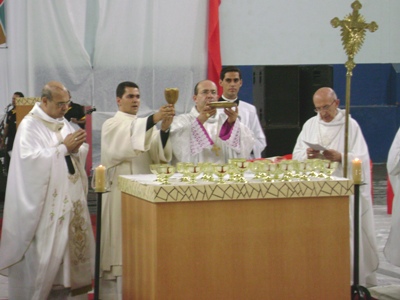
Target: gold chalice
181 168
330 167
154 170
241 166
193 171
171 95
221 170
165 172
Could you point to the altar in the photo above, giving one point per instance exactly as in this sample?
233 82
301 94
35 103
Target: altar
255 240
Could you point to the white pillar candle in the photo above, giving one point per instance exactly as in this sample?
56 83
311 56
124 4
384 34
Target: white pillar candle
357 171
100 181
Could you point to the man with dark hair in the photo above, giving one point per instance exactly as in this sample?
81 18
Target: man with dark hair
129 145
75 114
231 81
10 129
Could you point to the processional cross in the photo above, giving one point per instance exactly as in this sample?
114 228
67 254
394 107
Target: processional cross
353 28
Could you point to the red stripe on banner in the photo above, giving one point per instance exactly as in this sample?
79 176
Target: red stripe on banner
214 48
2 23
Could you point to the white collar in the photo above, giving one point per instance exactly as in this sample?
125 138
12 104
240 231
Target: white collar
229 100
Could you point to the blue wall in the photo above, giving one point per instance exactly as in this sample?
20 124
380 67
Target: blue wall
375 99
374 104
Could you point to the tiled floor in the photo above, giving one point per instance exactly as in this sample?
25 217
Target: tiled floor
388 275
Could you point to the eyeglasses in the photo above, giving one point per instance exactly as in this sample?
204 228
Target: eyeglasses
324 108
62 104
206 92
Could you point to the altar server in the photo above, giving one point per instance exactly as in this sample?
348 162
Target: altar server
129 145
392 247
231 81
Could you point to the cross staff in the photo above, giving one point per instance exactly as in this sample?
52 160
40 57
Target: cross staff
353 28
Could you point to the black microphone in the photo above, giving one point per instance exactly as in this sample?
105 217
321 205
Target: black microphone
7 107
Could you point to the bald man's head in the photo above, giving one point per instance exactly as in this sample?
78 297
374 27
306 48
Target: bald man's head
55 99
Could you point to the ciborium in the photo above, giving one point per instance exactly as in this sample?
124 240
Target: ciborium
171 95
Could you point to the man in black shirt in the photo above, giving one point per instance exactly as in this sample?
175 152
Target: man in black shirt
76 114
10 129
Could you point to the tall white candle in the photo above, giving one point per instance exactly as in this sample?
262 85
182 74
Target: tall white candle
100 181
357 171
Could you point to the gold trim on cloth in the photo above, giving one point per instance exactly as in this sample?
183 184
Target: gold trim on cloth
27 100
78 234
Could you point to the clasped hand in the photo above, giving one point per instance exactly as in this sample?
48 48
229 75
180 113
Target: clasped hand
74 140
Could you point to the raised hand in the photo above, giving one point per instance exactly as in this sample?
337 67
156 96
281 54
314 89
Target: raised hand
165 111
232 113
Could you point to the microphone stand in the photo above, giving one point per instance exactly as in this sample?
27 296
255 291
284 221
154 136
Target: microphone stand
98 244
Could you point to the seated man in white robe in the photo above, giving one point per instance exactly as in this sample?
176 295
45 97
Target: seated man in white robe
129 145
327 129
392 247
207 134
47 242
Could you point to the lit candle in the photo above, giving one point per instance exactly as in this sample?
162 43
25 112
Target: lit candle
100 175
357 171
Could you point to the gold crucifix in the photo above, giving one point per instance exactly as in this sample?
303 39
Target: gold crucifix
215 149
353 28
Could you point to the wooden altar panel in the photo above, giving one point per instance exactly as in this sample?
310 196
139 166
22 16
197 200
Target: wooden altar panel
23 107
287 248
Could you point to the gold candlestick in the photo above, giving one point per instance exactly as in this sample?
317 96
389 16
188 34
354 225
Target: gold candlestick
353 28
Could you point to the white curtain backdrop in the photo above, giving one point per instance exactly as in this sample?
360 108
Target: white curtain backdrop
92 45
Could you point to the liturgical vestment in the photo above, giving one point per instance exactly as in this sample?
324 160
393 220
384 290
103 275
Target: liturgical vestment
47 240
195 142
126 148
392 247
331 136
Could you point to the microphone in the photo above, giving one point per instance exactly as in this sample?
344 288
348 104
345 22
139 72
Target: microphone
7 107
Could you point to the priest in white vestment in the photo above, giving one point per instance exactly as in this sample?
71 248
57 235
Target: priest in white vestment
129 145
327 129
231 81
392 247
207 134
47 243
